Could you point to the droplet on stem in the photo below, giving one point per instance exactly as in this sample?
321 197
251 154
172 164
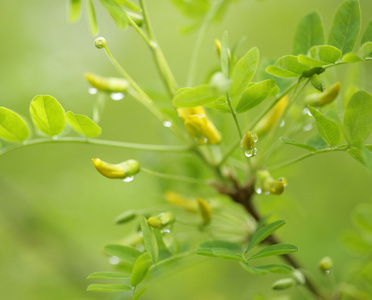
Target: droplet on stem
128 179
117 96
92 91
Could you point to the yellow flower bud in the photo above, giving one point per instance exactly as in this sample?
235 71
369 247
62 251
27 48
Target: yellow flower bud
327 97
154 222
275 187
100 42
107 84
268 122
178 200
266 184
249 140
317 83
217 43
118 171
326 265
198 125
205 210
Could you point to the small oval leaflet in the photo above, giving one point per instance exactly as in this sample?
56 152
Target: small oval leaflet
140 269
12 127
83 125
48 115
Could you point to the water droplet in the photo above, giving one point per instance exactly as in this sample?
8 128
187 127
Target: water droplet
128 179
54 137
282 123
259 191
92 91
308 127
284 180
251 152
327 272
114 260
165 231
167 124
306 111
117 96
255 137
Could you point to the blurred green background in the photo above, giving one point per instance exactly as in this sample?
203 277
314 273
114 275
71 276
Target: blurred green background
56 211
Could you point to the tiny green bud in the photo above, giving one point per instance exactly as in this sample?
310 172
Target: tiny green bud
326 264
205 210
126 217
100 42
283 284
155 222
217 43
249 140
117 171
273 186
312 71
317 83
108 84
166 218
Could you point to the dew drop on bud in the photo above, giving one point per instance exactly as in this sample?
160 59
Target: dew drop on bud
165 231
167 124
282 123
100 42
251 152
128 179
114 260
92 91
117 96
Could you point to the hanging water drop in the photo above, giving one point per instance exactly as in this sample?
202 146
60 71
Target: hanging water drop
259 191
117 96
306 111
114 260
282 123
165 231
251 152
128 179
167 124
92 91
255 137
308 127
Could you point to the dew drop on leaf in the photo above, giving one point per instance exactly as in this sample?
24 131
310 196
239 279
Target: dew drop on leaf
167 124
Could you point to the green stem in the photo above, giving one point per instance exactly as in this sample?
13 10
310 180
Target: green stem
234 116
144 99
254 124
199 42
89 141
175 177
162 65
295 160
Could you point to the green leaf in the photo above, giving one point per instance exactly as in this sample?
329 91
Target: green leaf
220 105
262 232
126 216
363 217
310 32
255 94
83 125
243 72
224 56
139 293
48 115
128 4
192 9
351 58
346 25
92 17
320 56
219 253
219 244
297 144
278 269
198 96
140 269
316 141
117 13
365 50
108 275
287 67
221 249
327 128
362 154
357 117
277 249
124 253
149 239
74 10
367 36
12 127
109 288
